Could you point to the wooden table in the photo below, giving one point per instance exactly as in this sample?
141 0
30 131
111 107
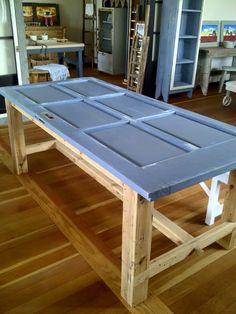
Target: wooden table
60 48
206 55
139 149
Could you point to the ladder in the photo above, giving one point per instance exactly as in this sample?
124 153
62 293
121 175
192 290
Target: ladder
138 55
137 63
89 30
133 18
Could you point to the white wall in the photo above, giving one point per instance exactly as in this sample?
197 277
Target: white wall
219 10
71 16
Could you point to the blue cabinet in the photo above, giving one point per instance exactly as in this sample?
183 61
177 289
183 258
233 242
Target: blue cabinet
179 46
112 40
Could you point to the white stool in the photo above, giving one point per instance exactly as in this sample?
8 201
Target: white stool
230 87
214 207
226 70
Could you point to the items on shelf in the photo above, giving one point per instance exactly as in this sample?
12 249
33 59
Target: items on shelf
58 32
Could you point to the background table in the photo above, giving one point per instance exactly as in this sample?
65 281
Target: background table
206 55
60 48
139 149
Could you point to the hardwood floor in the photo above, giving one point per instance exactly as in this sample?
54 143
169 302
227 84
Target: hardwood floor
41 272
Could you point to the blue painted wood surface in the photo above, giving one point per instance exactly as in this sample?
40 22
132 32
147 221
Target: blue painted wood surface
153 147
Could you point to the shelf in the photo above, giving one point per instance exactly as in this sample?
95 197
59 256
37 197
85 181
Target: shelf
183 74
192 4
186 50
184 61
189 22
181 84
107 22
106 38
187 37
191 11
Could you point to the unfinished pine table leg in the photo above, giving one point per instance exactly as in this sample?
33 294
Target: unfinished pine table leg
17 139
136 245
229 212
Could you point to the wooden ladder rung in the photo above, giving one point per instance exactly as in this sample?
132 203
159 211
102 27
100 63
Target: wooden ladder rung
132 88
136 49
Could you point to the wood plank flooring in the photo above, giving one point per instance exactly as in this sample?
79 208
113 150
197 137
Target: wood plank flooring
41 272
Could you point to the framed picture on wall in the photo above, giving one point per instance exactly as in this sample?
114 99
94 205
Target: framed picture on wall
44 14
47 14
210 34
228 31
28 12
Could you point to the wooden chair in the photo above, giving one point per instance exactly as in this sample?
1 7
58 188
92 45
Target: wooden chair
37 76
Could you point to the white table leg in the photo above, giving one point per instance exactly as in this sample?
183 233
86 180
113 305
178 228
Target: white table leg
229 213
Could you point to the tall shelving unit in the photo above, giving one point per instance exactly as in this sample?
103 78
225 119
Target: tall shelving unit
89 31
112 31
154 35
178 53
